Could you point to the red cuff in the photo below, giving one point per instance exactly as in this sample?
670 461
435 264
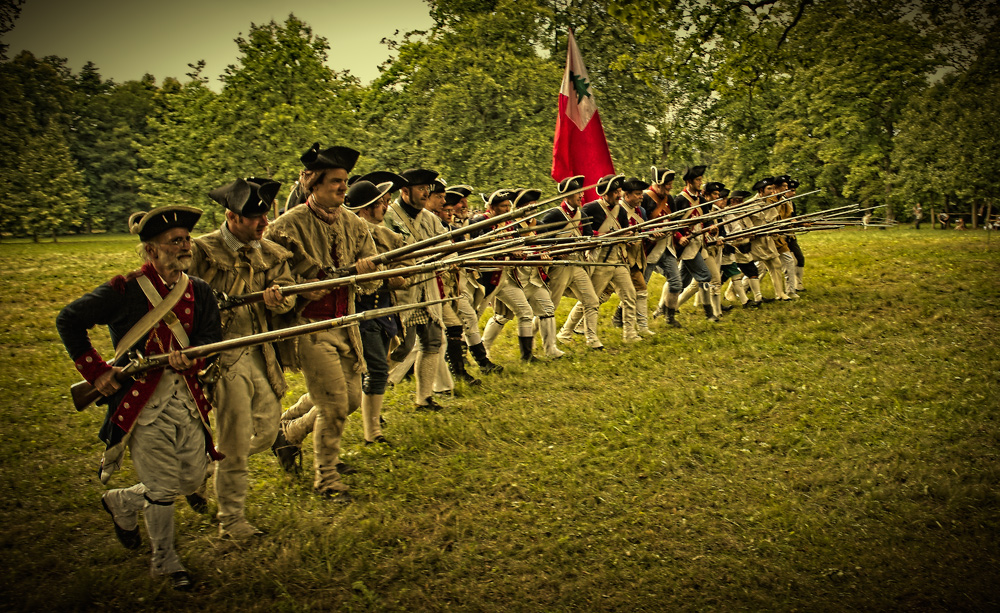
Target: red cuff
91 365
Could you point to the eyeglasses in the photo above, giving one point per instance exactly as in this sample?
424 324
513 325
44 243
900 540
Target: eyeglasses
178 242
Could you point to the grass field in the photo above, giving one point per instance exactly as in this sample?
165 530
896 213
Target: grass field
838 453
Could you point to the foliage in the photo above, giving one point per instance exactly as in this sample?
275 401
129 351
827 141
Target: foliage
47 194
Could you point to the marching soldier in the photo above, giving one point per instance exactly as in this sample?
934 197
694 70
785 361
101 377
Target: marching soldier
693 267
163 415
236 259
608 215
663 256
574 278
324 236
408 218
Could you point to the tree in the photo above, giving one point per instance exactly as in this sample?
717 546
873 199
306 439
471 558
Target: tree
48 194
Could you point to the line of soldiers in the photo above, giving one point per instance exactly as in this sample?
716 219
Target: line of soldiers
343 222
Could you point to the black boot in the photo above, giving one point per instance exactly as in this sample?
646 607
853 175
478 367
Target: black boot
455 356
710 313
485 365
616 319
525 342
672 318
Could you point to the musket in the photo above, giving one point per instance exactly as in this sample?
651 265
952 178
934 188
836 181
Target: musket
400 252
84 394
229 302
532 263
751 212
810 217
484 239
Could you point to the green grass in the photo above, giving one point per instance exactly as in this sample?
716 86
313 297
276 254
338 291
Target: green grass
836 453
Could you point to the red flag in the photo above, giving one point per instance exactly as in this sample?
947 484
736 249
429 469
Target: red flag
579 147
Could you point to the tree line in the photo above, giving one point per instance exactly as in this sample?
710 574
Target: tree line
883 104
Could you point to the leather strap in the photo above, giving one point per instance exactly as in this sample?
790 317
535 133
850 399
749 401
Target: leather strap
161 306
168 317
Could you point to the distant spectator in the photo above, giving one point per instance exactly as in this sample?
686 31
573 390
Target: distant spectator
960 225
943 218
918 215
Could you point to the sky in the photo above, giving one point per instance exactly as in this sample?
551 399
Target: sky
129 38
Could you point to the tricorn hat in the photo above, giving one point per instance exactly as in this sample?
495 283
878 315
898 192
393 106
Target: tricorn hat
793 184
782 179
365 193
661 177
526 196
149 224
378 177
714 186
634 184
760 185
455 194
418 176
694 172
740 193
609 183
438 186
334 157
571 183
499 196
248 197
724 193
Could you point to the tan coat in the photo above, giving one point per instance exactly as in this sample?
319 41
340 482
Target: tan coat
762 248
235 273
312 241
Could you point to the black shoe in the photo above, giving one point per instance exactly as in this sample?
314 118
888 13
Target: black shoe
379 440
345 469
672 318
727 307
198 503
431 405
470 380
767 299
130 539
287 454
181 581
485 365
335 496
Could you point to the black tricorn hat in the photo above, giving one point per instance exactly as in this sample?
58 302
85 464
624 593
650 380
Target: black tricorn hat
248 197
793 184
150 224
418 176
438 186
525 196
499 196
760 185
634 184
609 183
378 177
334 157
351 179
740 193
694 172
782 179
571 183
724 193
452 198
365 193
714 186
661 177
462 190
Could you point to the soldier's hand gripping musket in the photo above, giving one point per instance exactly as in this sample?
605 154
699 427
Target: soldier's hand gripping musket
84 394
